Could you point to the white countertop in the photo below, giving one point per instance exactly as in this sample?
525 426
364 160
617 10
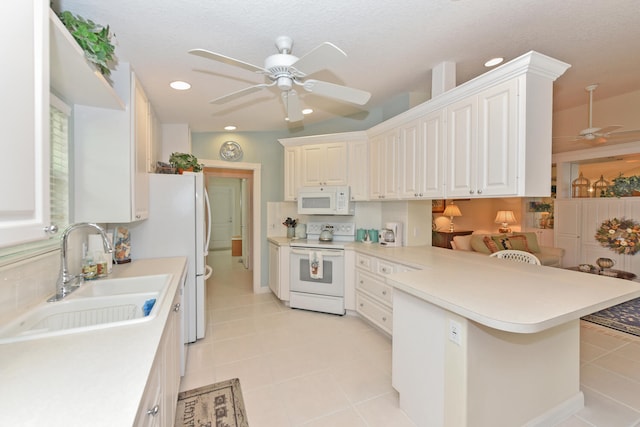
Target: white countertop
92 378
504 295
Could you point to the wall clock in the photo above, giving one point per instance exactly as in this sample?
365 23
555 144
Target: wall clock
231 151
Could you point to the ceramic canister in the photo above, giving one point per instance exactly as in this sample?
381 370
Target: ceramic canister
373 235
360 235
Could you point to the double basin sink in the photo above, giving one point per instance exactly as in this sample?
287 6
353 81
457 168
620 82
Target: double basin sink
99 304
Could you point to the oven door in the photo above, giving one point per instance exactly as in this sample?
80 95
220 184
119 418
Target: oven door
331 282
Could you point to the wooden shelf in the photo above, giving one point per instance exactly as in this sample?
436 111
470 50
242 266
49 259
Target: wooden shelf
73 78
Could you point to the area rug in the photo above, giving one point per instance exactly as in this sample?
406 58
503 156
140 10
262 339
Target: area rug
214 405
623 317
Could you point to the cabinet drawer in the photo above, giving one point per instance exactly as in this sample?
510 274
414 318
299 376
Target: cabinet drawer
374 286
379 315
386 267
364 261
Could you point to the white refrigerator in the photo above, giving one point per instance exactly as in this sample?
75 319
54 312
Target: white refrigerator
178 221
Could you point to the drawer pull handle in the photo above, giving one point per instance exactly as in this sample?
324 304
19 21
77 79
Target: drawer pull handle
361 305
153 411
384 319
384 292
176 307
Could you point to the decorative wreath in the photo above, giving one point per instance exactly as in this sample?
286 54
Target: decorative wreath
620 235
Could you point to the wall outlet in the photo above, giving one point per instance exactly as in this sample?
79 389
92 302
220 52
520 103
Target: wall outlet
455 331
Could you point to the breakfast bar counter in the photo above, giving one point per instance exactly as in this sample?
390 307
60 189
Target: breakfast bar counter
479 341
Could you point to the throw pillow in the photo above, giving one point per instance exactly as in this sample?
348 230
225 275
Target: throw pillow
463 243
532 241
490 244
519 242
477 243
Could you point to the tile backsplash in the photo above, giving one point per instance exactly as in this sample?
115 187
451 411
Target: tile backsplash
26 283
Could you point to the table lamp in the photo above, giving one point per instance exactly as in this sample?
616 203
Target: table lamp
504 218
451 211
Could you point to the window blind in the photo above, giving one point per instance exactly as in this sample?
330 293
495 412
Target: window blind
59 171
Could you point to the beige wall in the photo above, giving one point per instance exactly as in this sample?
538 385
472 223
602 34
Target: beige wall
478 214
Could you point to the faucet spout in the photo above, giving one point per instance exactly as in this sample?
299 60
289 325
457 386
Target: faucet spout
64 284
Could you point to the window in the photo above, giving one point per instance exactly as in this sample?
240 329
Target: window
58 184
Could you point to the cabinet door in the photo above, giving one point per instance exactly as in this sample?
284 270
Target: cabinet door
431 164
462 139
24 193
312 161
497 141
389 162
375 168
335 164
358 171
568 217
410 162
142 147
291 173
274 269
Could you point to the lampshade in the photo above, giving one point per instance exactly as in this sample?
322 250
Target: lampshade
452 210
504 218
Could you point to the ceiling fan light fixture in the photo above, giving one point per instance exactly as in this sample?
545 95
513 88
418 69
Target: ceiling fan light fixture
180 85
493 62
230 127
307 111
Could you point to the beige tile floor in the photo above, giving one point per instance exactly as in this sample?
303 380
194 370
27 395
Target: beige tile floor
299 368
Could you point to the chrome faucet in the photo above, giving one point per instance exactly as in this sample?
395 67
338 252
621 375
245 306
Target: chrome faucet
65 284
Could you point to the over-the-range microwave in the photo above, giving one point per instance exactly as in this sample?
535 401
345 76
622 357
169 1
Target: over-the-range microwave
328 200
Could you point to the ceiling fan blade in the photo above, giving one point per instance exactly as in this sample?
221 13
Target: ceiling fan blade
321 57
608 129
625 134
239 93
292 106
227 60
342 93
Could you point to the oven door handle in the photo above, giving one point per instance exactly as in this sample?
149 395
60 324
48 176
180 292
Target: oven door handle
322 252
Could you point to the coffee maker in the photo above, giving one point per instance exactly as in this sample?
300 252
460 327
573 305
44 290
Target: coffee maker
391 234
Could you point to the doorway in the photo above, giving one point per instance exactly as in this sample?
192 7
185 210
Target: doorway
248 176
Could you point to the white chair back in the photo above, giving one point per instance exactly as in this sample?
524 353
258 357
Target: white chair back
519 256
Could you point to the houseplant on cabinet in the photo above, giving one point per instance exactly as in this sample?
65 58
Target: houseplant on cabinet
185 162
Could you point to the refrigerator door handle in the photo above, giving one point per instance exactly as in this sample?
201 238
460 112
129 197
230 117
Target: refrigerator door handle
207 272
207 207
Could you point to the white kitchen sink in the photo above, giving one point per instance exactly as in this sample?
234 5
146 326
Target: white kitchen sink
98 305
127 285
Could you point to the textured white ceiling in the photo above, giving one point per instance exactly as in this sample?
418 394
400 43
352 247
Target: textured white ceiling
392 47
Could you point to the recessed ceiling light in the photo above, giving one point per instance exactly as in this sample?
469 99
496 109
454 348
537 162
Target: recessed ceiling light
230 127
307 111
493 62
180 85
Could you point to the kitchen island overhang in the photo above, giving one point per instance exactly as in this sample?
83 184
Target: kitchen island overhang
493 343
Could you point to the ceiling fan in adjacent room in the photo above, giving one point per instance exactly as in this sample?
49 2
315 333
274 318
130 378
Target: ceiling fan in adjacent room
286 71
596 135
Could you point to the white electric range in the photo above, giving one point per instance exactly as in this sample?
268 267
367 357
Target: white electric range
317 273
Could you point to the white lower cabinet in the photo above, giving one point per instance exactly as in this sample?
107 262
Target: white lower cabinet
374 298
158 404
279 270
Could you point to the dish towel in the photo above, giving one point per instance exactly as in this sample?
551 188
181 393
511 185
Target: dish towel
315 265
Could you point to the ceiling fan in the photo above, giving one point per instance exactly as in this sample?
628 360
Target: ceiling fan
596 135
286 71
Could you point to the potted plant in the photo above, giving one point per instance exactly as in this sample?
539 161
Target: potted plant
185 162
625 186
94 39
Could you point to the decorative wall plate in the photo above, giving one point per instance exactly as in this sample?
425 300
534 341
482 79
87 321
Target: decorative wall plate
231 151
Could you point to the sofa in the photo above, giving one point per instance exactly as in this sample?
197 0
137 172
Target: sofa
486 244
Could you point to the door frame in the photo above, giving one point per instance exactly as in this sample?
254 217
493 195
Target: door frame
256 230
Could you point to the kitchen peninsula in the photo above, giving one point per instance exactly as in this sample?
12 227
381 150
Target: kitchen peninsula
488 342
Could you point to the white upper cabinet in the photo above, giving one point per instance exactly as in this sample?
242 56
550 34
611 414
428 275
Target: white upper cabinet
24 193
291 173
324 164
483 143
383 161
112 156
359 170
421 157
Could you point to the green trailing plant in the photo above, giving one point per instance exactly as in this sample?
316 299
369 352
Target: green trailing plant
185 161
94 39
624 186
